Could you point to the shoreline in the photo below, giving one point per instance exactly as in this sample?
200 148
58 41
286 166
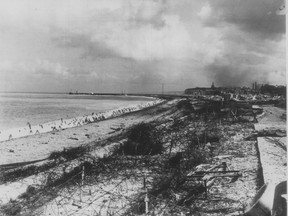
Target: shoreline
19 150
61 124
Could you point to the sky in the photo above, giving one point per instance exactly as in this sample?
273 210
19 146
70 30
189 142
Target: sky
135 46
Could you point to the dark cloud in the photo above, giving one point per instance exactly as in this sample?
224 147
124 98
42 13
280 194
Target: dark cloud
237 67
257 17
240 41
251 35
245 35
231 75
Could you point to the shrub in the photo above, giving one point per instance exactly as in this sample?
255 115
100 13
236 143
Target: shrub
184 104
68 154
143 139
11 208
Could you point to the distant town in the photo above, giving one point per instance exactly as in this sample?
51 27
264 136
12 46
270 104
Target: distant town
256 94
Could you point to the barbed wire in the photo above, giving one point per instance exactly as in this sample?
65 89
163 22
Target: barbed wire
61 190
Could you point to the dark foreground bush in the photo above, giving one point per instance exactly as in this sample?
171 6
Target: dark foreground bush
184 104
68 154
11 208
143 139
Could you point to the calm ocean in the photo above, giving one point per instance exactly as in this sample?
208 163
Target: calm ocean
16 109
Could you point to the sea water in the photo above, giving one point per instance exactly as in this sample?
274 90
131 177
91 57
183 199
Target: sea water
17 109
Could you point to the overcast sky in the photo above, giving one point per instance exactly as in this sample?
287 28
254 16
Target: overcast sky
136 45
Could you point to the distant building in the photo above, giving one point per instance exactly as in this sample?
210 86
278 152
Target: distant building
212 86
202 91
256 86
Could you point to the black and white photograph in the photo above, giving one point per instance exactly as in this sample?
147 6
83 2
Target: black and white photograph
143 108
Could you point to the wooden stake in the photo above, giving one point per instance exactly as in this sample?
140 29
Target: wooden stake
206 189
144 183
82 182
146 202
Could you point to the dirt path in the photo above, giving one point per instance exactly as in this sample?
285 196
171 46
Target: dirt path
273 153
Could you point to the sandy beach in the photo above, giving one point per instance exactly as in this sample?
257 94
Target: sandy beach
118 184
28 146
62 123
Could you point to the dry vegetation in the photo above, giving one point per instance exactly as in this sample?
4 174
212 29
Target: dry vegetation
161 156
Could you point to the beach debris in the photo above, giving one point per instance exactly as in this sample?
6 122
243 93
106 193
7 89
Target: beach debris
10 136
220 157
218 171
54 128
29 125
73 138
76 203
115 128
272 133
10 150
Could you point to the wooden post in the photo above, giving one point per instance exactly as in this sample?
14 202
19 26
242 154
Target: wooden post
224 166
144 183
82 182
146 202
206 189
